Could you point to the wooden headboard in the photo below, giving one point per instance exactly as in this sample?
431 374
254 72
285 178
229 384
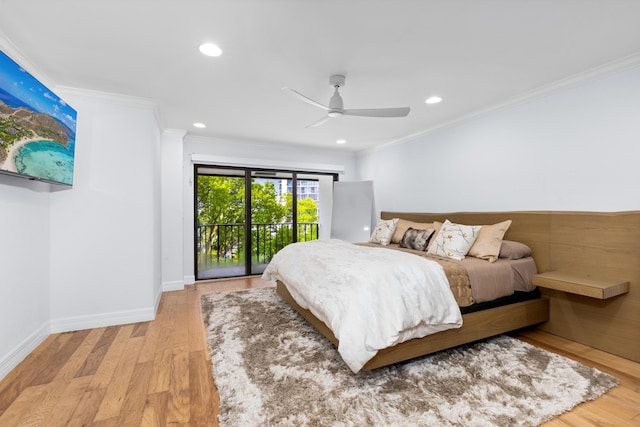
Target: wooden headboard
596 245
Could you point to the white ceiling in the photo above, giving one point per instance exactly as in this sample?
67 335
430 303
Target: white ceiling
475 54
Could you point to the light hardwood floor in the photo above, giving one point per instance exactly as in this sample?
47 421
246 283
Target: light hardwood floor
158 373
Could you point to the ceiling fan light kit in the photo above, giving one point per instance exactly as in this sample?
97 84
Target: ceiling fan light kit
336 105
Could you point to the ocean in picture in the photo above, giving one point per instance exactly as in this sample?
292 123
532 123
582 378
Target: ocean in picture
47 160
37 128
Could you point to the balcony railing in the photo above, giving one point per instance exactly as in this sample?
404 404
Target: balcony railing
222 245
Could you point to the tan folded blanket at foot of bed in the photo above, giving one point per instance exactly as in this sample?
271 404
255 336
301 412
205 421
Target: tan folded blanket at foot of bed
458 281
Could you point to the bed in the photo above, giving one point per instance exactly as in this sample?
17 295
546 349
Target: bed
483 311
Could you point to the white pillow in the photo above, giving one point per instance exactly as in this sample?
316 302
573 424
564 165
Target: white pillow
454 240
383 231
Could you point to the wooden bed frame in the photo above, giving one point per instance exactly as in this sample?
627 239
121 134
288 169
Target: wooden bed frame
608 250
587 246
478 325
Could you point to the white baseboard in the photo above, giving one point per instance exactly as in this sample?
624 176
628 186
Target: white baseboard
189 280
175 285
156 303
18 354
78 323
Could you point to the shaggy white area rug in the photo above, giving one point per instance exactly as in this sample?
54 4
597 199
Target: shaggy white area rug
273 369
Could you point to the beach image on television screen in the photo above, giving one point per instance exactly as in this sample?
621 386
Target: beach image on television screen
37 128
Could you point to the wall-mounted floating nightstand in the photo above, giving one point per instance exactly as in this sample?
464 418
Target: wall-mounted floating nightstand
575 284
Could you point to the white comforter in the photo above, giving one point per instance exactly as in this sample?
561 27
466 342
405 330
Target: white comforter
371 298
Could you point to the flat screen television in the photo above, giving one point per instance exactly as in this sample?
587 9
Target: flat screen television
37 128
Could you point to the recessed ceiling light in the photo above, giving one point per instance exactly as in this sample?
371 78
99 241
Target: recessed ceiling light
199 125
341 141
433 100
210 49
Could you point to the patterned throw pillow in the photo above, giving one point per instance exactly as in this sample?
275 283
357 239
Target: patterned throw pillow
403 226
454 240
416 239
383 231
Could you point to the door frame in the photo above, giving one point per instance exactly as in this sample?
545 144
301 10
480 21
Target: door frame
248 171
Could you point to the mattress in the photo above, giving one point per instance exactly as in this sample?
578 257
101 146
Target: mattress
474 280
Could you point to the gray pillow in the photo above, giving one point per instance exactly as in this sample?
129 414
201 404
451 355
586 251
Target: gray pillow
416 239
514 250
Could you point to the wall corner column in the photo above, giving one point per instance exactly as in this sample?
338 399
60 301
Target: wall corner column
172 209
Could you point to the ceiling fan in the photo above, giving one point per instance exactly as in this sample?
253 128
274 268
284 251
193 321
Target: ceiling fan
336 106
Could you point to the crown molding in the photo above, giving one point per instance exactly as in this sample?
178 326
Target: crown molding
114 98
13 52
174 132
619 65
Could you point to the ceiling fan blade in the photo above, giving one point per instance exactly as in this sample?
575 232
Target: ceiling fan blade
379 112
305 99
318 122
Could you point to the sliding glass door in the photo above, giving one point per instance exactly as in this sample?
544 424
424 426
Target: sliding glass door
244 216
220 232
271 216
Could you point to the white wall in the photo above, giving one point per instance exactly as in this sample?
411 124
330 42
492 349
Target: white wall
24 268
105 232
90 255
575 149
270 154
24 256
